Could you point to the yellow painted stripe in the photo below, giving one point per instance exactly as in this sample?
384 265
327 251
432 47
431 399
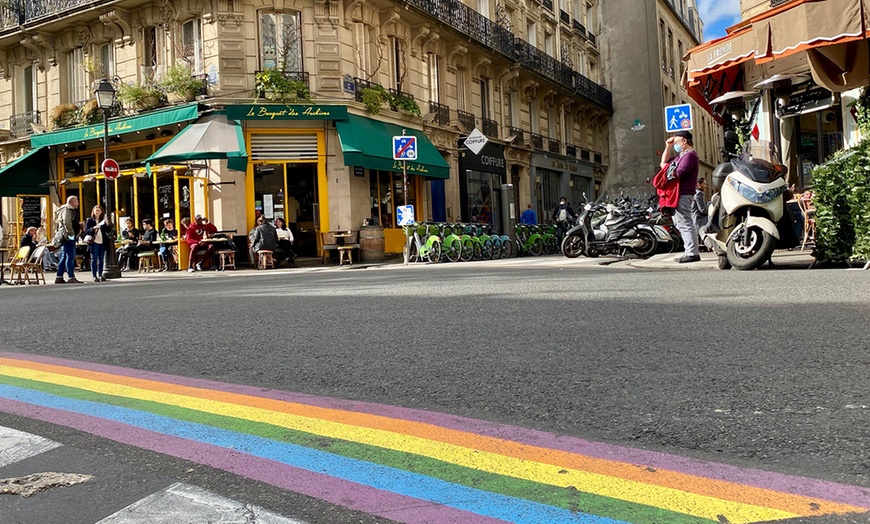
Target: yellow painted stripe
633 491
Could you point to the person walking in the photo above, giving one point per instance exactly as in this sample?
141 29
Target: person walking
561 215
529 217
98 230
67 220
700 204
680 155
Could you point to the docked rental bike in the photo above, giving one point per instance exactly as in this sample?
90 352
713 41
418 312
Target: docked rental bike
428 250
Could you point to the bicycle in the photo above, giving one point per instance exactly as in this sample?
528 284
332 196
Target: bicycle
430 250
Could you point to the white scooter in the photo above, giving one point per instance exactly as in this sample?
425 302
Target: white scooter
748 218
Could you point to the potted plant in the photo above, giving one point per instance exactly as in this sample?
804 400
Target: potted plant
63 115
89 113
405 104
273 84
180 85
374 97
140 97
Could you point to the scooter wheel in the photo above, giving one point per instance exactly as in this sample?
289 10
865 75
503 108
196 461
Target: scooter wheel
573 246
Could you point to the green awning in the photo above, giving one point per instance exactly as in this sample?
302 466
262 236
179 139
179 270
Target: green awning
119 126
212 137
24 175
369 143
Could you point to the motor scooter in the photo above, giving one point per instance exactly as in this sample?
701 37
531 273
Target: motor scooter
748 218
621 231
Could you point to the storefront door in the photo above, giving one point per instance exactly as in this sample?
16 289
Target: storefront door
289 190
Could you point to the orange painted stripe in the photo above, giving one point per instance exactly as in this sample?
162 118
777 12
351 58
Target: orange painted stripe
796 504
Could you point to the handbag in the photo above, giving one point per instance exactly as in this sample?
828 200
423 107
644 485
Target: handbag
89 239
672 170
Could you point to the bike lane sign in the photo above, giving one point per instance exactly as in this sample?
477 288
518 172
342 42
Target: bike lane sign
404 148
678 118
405 214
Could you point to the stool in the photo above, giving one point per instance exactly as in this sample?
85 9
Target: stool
146 261
344 252
227 258
266 260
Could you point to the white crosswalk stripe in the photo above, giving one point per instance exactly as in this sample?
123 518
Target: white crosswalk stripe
17 445
181 503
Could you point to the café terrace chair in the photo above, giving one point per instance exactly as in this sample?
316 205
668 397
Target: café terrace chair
329 244
147 261
34 265
17 264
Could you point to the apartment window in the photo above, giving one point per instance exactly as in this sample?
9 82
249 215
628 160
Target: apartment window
514 109
593 71
578 10
670 48
191 44
552 123
362 49
395 60
107 60
581 63
549 44
461 100
532 34
680 57
569 127
78 80
280 41
433 72
25 92
662 33
564 6
589 22
535 116
485 96
150 57
483 7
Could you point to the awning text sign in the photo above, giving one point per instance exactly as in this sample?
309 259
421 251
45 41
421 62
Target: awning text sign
286 112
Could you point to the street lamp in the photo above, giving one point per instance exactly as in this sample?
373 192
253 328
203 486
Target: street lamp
105 95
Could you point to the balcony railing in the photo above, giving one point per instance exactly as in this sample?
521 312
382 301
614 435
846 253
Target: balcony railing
490 127
776 3
570 150
395 93
554 146
466 119
536 140
585 154
484 31
10 16
564 17
518 133
580 28
359 85
19 125
441 112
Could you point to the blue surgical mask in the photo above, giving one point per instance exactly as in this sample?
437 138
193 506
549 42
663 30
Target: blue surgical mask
678 147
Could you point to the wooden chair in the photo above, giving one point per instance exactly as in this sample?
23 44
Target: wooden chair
265 259
227 259
34 265
329 244
805 203
147 261
17 265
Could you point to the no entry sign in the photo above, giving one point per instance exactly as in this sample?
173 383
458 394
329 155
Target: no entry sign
110 169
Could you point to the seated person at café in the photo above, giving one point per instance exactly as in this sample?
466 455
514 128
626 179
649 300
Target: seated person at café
262 237
148 239
82 248
199 250
29 239
129 240
166 250
285 240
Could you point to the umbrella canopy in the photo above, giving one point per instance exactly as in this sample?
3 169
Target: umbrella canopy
212 137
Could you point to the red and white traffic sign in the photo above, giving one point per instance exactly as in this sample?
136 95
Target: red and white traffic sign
111 169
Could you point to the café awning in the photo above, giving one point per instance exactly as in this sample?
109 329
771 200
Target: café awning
118 126
212 137
369 143
722 53
24 175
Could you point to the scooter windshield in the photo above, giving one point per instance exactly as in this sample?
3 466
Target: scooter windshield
760 162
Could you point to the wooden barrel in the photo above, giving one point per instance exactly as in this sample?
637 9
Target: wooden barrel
371 244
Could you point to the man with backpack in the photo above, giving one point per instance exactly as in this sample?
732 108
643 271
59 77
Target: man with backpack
561 214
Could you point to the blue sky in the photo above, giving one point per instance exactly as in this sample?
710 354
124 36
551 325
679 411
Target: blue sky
718 15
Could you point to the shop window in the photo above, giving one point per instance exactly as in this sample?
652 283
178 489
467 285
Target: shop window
482 205
549 193
191 45
107 60
281 41
387 192
77 76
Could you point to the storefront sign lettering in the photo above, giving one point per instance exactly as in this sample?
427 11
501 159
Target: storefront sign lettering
114 128
563 166
286 112
717 53
419 169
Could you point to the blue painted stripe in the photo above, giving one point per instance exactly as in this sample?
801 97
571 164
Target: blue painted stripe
484 503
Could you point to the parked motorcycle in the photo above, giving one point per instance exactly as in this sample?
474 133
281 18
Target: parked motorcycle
623 229
748 218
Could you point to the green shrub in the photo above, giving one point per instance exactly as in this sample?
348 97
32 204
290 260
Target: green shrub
273 84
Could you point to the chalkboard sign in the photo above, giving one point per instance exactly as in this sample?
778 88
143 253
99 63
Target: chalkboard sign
31 209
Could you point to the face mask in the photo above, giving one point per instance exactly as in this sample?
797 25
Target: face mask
678 147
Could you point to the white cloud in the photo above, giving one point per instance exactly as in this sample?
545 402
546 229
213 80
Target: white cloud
714 12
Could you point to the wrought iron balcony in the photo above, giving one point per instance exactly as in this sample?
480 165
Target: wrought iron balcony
33 10
564 17
580 28
536 140
359 85
10 15
19 125
490 127
518 133
585 154
441 112
570 150
554 146
466 119
598 158
396 94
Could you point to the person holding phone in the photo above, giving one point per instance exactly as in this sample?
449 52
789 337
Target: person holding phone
97 231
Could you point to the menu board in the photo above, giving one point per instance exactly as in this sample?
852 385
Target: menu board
31 211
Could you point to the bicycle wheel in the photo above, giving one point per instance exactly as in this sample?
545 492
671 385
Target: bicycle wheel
435 252
507 249
486 250
537 247
451 250
477 252
467 251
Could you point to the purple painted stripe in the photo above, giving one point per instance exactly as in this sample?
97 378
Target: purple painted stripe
351 495
843 493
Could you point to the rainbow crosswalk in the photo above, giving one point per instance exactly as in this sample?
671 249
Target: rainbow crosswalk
406 465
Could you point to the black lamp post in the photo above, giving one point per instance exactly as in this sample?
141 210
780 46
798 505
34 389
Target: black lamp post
105 94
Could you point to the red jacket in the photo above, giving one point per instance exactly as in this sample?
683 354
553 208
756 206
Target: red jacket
668 190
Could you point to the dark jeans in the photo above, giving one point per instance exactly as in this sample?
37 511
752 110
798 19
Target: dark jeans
67 260
98 252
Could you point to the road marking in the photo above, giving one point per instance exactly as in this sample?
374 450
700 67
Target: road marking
17 445
406 465
185 503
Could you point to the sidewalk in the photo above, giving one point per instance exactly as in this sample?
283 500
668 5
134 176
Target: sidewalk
782 259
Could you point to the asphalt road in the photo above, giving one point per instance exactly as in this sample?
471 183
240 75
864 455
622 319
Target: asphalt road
766 369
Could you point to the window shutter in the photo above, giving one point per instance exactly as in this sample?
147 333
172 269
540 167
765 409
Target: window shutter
283 147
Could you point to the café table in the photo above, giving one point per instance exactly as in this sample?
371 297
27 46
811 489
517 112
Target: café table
171 245
342 249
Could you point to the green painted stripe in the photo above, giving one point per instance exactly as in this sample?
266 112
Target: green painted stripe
570 499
